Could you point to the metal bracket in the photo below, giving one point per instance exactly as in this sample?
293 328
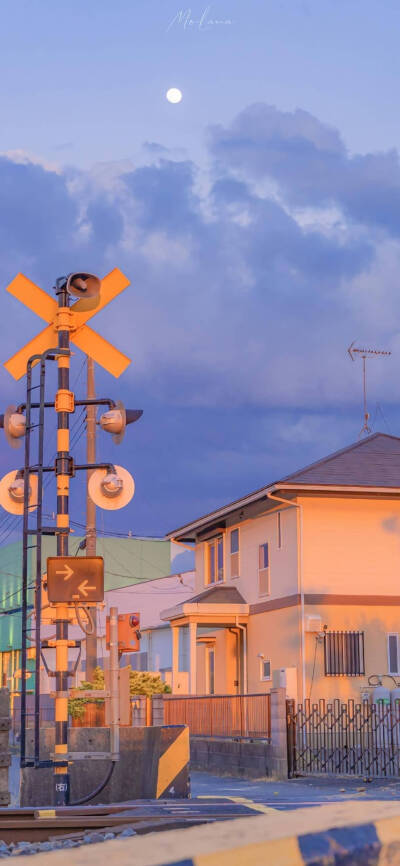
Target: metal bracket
82 756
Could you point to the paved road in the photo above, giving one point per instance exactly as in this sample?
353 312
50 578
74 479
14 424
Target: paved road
294 793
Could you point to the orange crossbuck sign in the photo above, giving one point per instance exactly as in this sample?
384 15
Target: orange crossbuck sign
87 340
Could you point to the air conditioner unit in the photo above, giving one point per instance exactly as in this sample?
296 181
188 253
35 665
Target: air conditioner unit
313 623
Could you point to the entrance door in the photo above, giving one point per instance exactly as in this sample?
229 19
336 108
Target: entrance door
210 671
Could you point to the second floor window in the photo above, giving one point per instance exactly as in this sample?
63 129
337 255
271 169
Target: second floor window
263 569
216 560
234 538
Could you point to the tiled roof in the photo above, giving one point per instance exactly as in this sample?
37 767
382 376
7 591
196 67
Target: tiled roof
371 462
217 595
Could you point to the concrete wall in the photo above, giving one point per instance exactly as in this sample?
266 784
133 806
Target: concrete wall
239 757
136 774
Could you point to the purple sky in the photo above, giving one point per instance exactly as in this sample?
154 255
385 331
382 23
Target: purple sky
258 221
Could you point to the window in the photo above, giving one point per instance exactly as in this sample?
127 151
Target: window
393 654
263 569
344 653
235 553
279 529
265 669
216 560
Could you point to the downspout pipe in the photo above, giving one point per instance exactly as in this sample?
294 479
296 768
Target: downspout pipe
289 502
243 629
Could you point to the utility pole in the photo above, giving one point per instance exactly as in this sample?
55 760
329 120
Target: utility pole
91 640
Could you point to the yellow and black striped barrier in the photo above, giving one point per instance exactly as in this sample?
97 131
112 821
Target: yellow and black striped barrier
371 844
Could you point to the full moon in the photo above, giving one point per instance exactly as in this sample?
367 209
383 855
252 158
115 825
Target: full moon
174 95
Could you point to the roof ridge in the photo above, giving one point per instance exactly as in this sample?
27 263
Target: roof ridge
335 454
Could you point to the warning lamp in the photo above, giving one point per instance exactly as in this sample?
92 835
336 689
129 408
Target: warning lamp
12 491
83 285
115 420
14 425
128 632
111 489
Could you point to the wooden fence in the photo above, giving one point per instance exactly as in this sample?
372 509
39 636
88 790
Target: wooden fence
221 715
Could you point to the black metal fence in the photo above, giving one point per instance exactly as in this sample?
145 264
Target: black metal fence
344 738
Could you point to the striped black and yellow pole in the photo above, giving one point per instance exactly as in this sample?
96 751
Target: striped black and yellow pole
64 405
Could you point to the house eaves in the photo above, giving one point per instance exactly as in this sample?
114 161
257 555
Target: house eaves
189 531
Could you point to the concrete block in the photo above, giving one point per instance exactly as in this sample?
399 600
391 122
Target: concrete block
146 769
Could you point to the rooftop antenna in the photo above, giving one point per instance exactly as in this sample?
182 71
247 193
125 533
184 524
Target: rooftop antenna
365 353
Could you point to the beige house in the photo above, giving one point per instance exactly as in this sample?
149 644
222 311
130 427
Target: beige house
298 583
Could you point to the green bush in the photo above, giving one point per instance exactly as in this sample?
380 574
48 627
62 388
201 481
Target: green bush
140 683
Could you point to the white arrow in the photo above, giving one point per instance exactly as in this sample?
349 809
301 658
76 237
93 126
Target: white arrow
83 587
67 572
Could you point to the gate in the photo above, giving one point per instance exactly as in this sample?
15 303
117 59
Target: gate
343 738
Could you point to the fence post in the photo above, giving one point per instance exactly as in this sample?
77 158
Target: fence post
5 754
279 757
158 709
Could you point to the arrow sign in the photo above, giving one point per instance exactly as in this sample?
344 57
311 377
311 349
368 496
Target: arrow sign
84 589
66 571
71 579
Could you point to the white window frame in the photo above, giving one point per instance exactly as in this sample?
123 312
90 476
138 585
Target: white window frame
396 635
214 541
267 570
231 555
263 678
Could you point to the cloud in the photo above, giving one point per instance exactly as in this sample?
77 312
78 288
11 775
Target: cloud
310 164
248 284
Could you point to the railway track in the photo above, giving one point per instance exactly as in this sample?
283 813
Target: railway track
142 816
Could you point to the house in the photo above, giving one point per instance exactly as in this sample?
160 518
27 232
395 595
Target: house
298 583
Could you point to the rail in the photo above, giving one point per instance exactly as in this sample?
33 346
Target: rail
221 715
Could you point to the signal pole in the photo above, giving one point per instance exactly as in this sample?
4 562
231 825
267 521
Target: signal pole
64 404
75 581
91 640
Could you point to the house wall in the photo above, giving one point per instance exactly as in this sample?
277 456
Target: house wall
276 634
351 545
252 533
376 622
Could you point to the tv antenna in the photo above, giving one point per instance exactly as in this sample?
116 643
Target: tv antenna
365 353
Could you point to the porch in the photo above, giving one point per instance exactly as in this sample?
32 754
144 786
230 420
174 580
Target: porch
209 643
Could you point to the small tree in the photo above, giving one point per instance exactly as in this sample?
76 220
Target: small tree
140 683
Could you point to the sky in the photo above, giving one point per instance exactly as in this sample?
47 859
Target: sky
258 221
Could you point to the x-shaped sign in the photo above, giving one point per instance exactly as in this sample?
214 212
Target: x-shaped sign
89 341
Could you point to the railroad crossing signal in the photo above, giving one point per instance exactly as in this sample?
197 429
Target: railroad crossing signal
75 579
103 352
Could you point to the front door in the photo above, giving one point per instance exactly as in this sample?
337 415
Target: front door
210 671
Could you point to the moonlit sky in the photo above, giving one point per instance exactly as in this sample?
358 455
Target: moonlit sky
258 221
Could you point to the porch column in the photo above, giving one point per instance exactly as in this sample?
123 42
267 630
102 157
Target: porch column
193 656
175 657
